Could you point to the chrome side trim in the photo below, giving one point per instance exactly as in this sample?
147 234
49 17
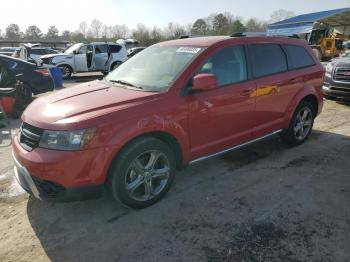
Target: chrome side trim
235 147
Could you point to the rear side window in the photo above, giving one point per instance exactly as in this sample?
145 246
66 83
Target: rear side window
268 59
298 57
228 65
115 48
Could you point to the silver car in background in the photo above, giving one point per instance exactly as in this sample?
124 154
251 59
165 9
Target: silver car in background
94 57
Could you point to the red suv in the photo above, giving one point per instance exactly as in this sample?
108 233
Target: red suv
175 103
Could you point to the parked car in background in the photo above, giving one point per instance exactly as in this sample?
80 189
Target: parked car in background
176 103
37 79
337 79
346 45
135 50
94 57
7 50
37 52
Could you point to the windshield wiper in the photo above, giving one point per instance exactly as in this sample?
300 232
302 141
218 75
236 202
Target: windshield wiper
125 83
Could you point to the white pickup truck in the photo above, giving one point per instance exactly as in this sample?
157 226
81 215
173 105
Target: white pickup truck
94 57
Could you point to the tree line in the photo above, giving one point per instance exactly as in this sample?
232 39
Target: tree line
215 24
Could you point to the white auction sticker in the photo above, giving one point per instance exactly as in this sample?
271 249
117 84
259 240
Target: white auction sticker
192 50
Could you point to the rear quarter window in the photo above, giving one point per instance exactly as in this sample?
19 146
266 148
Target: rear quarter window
298 57
267 59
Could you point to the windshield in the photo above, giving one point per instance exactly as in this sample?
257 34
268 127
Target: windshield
70 50
155 68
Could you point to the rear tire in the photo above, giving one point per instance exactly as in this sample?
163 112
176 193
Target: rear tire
301 125
115 65
142 173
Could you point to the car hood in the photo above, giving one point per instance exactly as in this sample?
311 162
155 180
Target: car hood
75 105
55 55
342 62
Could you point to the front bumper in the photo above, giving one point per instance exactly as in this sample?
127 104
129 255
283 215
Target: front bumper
336 93
51 191
59 176
336 90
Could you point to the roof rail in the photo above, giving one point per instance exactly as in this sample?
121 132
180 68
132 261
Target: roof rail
251 34
244 34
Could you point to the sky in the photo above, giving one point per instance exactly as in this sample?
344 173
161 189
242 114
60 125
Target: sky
67 14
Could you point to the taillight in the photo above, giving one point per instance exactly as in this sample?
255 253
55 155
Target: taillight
44 72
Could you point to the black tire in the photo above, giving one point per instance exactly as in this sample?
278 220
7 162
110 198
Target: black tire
66 71
115 65
123 169
290 135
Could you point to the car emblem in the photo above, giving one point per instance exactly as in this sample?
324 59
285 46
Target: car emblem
346 73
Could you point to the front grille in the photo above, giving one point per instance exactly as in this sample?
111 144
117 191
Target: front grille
30 136
48 189
342 74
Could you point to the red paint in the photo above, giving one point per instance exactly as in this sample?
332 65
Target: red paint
201 122
7 103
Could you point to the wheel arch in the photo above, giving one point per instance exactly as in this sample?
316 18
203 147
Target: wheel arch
66 64
306 94
165 137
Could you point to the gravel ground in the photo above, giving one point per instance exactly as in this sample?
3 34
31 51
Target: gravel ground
266 202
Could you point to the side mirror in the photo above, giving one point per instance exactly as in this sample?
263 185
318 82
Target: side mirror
75 52
204 82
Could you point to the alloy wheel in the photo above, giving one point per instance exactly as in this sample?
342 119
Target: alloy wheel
147 175
303 123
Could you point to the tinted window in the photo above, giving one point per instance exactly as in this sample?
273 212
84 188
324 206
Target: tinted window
268 59
298 57
229 65
100 49
10 64
115 48
37 52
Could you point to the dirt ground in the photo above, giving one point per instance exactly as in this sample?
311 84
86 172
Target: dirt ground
266 202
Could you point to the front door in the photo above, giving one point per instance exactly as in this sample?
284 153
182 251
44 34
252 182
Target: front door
223 117
101 57
80 60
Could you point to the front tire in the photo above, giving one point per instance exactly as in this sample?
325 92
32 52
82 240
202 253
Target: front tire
66 71
143 172
301 124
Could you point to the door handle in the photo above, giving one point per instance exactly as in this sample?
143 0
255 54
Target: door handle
247 92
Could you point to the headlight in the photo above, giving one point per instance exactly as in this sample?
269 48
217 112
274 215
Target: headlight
66 140
329 68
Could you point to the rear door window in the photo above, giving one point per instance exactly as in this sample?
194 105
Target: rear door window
228 65
99 49
298 57
267 59
115 48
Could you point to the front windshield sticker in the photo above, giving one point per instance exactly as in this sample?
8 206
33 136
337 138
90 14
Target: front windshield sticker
191 50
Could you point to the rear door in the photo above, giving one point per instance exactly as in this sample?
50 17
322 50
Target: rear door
101 57
223 117
270 70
